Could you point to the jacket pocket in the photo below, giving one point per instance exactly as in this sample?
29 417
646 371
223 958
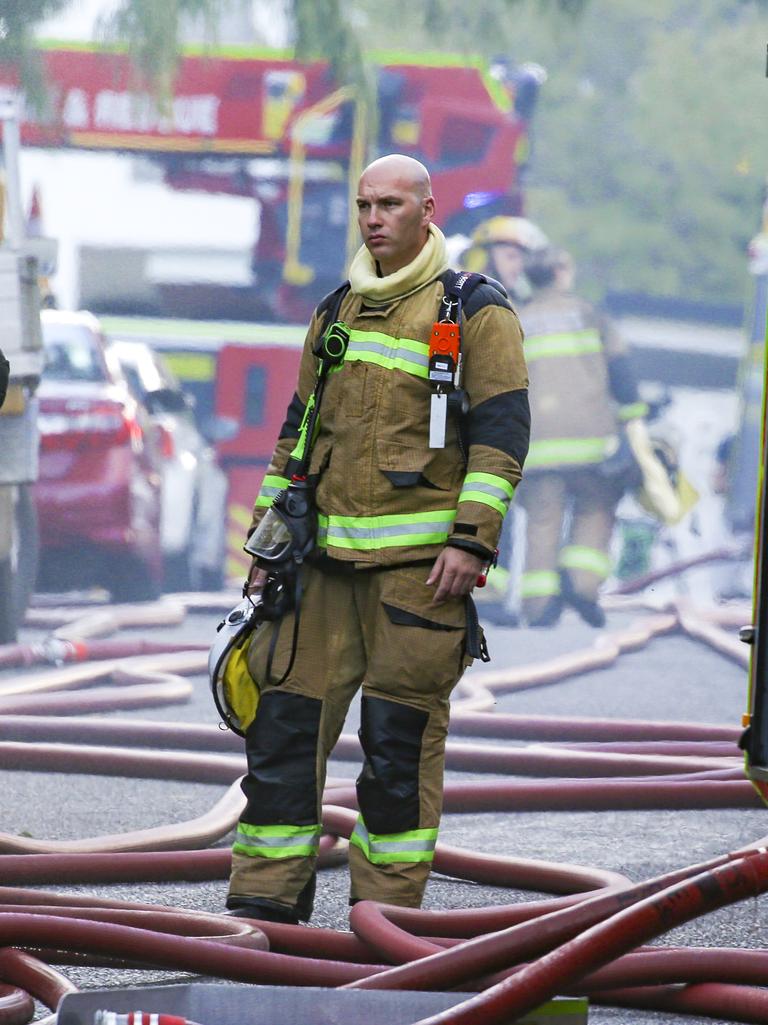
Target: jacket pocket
407 466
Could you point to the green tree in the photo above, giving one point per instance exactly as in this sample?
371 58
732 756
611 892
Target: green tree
649 146
650 160
152 32
17 21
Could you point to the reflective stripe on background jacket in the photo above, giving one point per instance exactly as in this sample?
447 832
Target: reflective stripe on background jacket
582 386
383 495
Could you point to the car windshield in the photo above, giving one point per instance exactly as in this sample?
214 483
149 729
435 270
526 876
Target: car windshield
71 354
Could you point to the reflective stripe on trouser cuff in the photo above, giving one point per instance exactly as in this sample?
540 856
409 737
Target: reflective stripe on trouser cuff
370 533
488 489
277 841
391 848
633 410
571 343
539 584
404 354
570 451
270 486
593 560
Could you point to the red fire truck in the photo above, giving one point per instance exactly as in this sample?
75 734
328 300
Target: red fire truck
260 124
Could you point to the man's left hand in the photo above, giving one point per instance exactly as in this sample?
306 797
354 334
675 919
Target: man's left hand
454 573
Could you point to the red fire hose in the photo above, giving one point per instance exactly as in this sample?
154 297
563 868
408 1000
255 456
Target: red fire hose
583 939
562 969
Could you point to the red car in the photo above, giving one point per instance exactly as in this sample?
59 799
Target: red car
98 493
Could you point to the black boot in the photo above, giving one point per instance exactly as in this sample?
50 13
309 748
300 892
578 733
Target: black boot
550 614
589 611
261 908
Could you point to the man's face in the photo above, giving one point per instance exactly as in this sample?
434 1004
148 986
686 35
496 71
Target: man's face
393 217
508 262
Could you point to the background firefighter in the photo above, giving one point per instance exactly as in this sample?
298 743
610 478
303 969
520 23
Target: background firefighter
500 247
583 397
404 531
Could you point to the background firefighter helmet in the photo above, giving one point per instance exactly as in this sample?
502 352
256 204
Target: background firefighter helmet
503 232
518 231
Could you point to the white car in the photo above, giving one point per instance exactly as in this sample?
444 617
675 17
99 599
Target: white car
194 488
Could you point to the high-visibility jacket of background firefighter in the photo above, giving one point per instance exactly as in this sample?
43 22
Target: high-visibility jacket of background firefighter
582 386
383 496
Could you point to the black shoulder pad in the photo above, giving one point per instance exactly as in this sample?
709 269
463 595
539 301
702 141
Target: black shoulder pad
486 294
475 290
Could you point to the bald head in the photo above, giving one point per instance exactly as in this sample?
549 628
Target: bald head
394 210
406 170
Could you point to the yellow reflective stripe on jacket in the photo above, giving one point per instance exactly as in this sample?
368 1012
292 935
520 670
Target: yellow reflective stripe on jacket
593 560
565 343
369 533
488 489
391 848
571 451
405 354
277 841
539 583
269 488
633 410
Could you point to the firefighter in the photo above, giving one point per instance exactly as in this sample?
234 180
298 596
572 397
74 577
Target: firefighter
500 248
404 529
583 394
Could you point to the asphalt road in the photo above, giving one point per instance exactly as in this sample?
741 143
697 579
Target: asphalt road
672 678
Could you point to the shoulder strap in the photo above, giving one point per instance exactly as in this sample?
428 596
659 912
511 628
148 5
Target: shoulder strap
459 285
330 305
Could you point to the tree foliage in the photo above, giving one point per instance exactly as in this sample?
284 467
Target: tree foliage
650 159
152 32
17 21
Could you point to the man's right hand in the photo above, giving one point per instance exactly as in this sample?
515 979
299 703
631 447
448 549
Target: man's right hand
257 577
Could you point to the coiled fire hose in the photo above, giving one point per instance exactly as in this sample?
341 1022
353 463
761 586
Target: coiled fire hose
589 938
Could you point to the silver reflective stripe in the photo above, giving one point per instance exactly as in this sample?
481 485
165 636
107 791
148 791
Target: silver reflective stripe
260 840
378 846
404 354
392 847
393 352
488 489
393 531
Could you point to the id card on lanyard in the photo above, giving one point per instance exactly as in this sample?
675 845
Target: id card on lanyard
444 374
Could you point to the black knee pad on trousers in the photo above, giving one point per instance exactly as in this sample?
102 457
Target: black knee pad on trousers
388 786
281 745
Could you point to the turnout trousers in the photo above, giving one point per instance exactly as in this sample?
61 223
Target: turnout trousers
371 627
570 517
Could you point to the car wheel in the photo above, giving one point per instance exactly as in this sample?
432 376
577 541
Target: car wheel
7 610
128 579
